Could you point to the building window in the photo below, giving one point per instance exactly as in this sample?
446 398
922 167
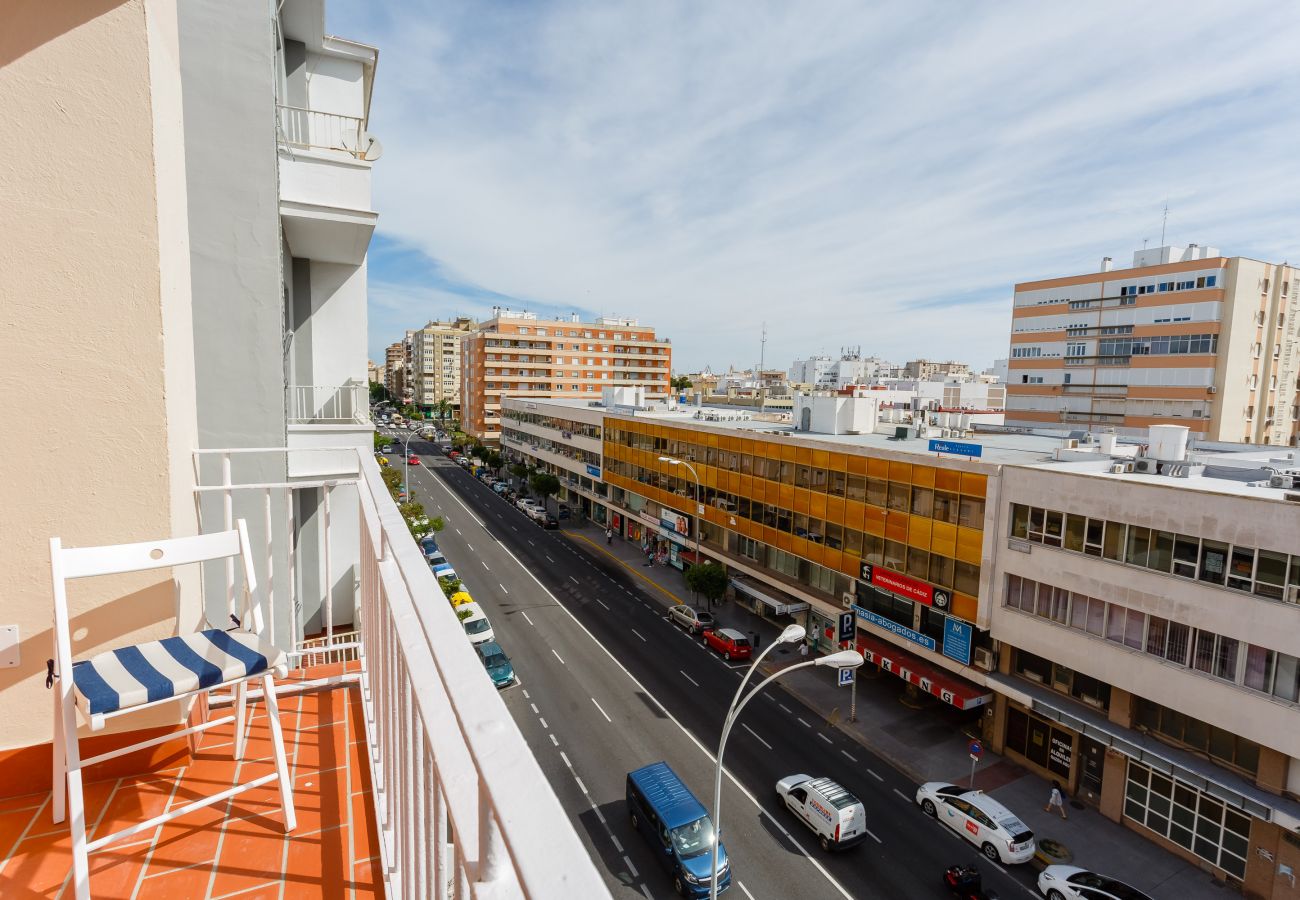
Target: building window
1196 821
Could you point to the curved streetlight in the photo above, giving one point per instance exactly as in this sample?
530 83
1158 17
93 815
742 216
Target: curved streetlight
844 659
698 490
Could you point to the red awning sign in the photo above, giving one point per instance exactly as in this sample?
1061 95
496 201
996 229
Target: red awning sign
948 688
904 586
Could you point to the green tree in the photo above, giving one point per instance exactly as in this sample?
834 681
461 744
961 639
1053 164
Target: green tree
681 383
708 579
519 470
380 440
544 485
460 439
392 478
378 393
449 586
443 408
437 524
494 460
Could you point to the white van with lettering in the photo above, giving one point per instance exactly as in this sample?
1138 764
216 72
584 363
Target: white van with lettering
837 817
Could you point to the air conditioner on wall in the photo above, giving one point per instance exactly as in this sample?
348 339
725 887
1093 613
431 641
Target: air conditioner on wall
846 600
984 659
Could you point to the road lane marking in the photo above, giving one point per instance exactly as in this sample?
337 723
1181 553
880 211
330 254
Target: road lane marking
582 787
544 725
555 740
601 602
457 530
869 771
783 707
525 615
602 712
549 560
825 738
645 890
530 543
601 816
901 794
526 695
802 722
853 758
756 737
571 578
566 759
534 707
879 841
485 565
637 633
503 588
631 868
470 546
689 678
557 656
740 884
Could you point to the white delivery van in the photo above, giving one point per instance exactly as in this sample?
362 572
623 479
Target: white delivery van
476 623
837 817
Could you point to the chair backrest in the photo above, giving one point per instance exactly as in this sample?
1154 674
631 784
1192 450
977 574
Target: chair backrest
67 563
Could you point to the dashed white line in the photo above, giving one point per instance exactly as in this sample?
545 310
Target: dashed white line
756 737
631 868
549 560
853 758
458 531
600 601
555 740
689 678
741 885
601 816
571 578
530 543
582 787
503 588
802 722
613 838
534 708
543 721
825 738
566 759
527 695
784 708
901 794
869 771
525 615
879 841
470 546
485 565
637 633
557 656
645 890
999 867
602 712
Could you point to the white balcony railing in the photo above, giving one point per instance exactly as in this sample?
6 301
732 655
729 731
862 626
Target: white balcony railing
462 806
315 404
311 129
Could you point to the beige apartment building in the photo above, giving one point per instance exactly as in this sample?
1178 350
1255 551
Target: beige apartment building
1185 336
515 354
435 364
395 370
925 369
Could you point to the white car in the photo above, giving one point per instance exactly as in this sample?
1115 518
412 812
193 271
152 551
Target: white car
980 819
837 817
1073 883
476 624
527 504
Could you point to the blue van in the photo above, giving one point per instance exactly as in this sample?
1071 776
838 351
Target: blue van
677 828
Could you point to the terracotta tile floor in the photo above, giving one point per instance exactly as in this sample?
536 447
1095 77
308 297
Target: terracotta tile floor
237 848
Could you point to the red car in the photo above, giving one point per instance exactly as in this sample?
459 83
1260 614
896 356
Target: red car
414 461
729 642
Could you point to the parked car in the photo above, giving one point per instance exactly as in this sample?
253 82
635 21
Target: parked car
980 819
443 570
549 522
501 487
434 558
383 460
475 622
1073 883
729 642
387 448
837 817
413 460
564 510
527 503
497 664
428 544
692 619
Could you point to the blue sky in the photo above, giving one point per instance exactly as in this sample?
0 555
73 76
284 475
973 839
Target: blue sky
852 174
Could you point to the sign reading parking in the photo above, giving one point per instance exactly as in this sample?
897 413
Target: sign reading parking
848 627
846 676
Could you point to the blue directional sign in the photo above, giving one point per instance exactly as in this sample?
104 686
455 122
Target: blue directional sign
956 448
593 471
846 676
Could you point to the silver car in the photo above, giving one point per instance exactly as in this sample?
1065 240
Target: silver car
1073 883
692 619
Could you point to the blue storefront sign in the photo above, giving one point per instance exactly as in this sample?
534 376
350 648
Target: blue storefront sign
956 448
593 471
894 628
957 640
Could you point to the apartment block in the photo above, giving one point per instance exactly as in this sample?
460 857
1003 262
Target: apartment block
435 364
1185 336
395 370
515 354
924 369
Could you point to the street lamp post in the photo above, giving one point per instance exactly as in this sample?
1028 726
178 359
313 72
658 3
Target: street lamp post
406 463
698 507
845 659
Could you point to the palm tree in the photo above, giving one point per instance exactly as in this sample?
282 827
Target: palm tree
443 408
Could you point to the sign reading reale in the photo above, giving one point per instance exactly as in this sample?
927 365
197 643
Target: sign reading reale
956 448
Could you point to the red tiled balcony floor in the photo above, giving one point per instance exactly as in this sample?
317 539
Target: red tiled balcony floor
236 848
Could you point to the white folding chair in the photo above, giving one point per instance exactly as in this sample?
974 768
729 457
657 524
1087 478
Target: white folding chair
150 674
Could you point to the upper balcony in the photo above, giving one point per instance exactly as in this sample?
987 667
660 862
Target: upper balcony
411 779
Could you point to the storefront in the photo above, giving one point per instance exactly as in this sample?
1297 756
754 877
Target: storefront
917 611
763 600
928 679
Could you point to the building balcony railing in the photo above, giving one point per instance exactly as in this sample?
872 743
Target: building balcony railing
310 129
315 404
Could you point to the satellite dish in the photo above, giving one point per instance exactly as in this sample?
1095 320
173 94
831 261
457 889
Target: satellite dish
371 148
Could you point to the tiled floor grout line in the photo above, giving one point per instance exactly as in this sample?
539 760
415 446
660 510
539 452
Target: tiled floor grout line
157 833
23 836
293 769
91 829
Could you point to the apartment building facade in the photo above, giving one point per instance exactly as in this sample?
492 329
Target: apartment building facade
1185 336
515 354
435 364
395 370
925 369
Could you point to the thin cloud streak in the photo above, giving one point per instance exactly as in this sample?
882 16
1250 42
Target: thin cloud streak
877 176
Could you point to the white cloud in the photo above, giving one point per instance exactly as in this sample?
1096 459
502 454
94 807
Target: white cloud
852 175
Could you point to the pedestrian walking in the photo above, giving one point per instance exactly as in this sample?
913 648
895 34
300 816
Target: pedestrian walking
803 649
1056 799
609 535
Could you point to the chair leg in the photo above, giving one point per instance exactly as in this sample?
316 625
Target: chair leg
281 761
241 713
76 804
59 773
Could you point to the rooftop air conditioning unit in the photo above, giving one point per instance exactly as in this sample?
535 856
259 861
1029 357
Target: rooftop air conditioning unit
846 600
984 659
1284 480
1117 469
1144 465
1211 390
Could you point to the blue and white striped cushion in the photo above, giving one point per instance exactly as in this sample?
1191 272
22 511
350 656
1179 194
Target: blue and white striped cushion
131 676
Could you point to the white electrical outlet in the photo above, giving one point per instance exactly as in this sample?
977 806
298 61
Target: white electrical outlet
8 646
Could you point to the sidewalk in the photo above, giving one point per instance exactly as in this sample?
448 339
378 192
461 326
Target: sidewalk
928 742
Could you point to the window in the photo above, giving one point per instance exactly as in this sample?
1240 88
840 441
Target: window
1196 821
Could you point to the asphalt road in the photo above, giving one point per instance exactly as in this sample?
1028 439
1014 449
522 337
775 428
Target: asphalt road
608 684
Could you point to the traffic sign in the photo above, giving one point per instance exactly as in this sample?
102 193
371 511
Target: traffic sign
976 750
848 627
846 676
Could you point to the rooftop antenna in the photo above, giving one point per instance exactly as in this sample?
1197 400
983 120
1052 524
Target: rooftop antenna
1164 222
762 358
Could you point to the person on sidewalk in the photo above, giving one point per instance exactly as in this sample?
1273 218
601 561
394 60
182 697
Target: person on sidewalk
609 536
1056 799
803 649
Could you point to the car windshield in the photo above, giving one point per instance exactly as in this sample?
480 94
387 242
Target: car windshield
493 660
694 838
704 618
477 626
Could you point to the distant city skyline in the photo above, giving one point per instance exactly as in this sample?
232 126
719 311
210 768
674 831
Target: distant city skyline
881 176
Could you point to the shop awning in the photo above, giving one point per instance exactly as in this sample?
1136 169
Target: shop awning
948 688
778 607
